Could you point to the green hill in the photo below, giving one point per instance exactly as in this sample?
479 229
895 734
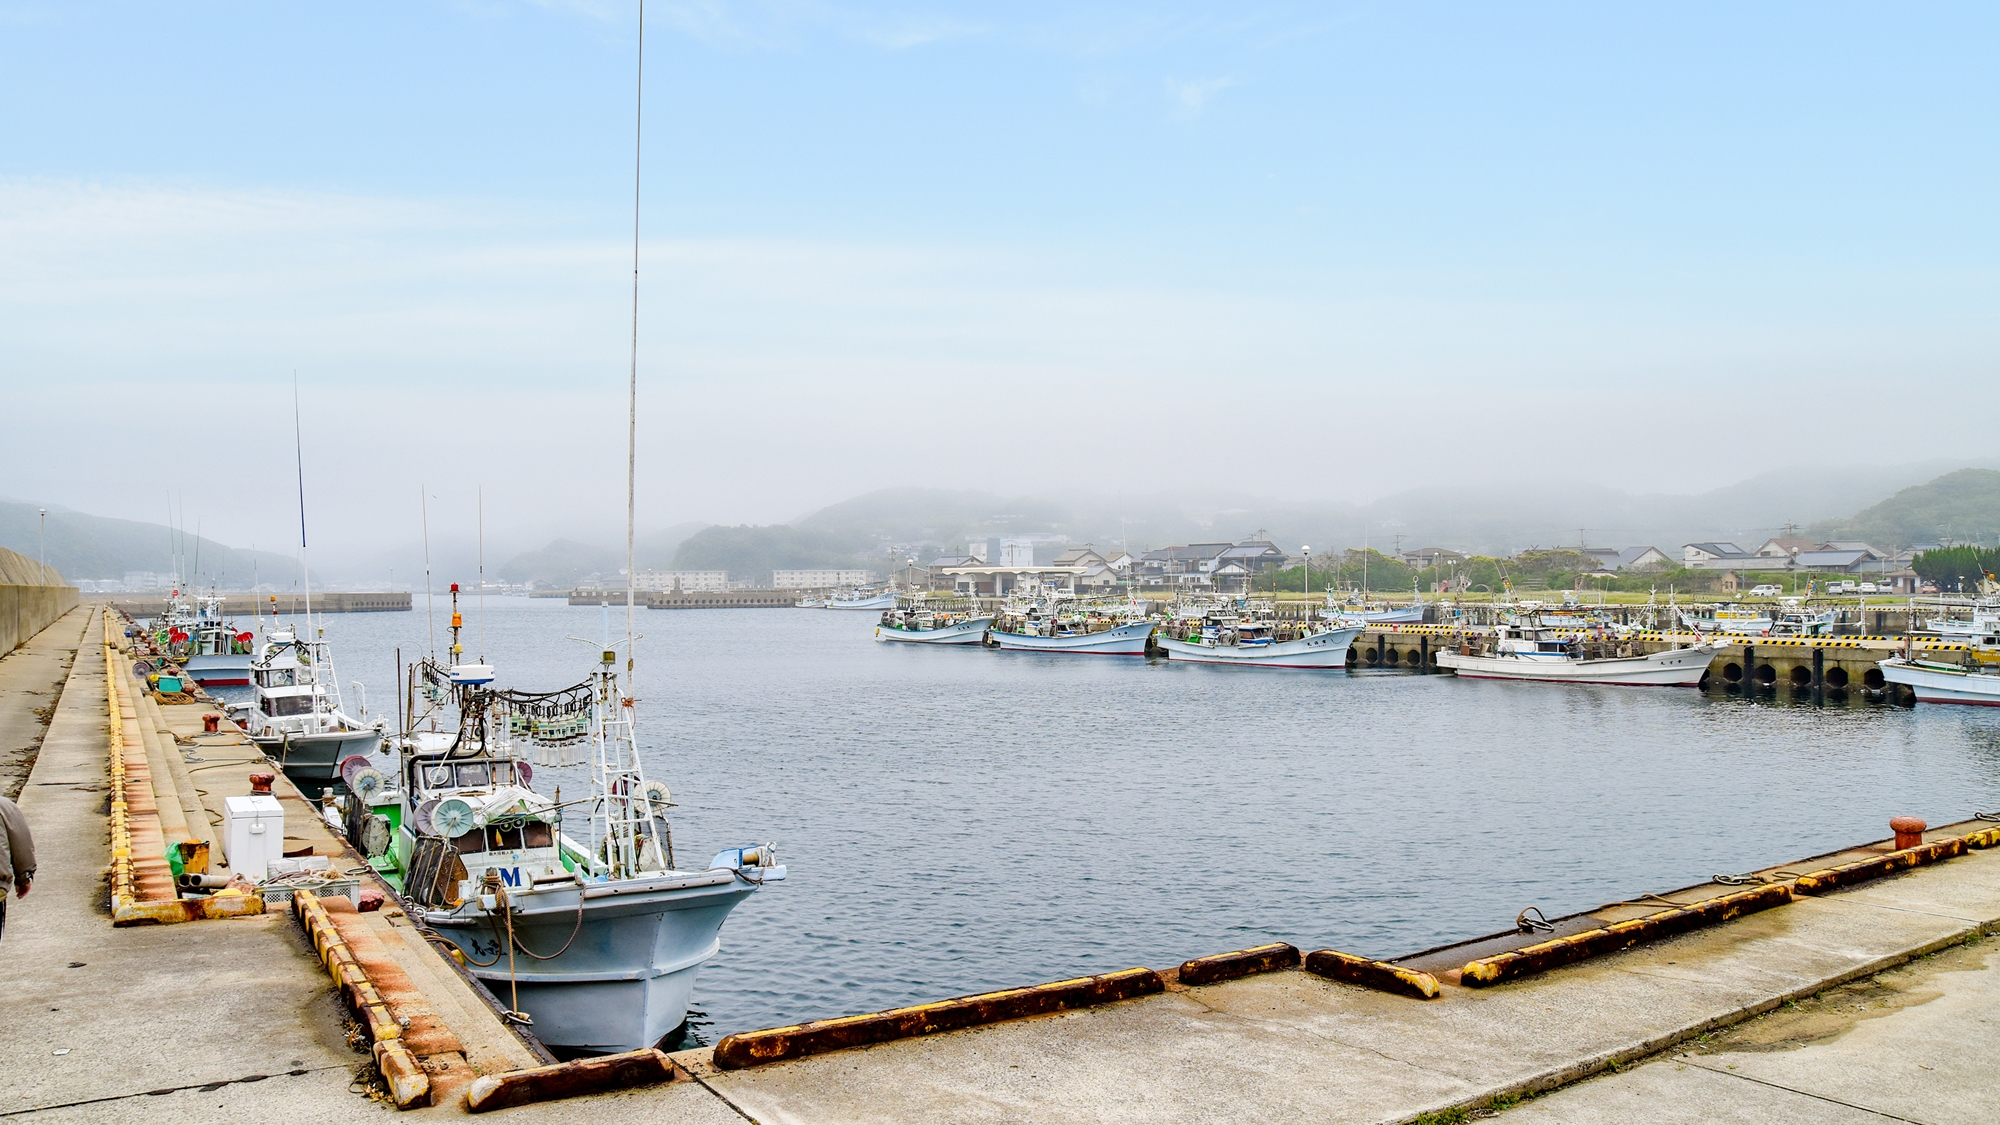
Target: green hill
83 546
754 552
1960 507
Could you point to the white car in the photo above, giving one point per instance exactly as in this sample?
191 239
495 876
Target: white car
1869 588
1842 588
1765 591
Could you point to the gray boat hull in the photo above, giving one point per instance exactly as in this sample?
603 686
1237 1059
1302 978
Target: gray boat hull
625 981
312 761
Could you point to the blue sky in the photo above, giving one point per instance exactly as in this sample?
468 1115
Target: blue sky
878 229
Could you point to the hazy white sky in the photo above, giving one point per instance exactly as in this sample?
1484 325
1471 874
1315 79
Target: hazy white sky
1306 251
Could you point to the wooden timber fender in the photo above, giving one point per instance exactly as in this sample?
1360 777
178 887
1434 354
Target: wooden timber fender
756 1048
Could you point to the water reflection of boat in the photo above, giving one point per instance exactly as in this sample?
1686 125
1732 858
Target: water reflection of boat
1518 652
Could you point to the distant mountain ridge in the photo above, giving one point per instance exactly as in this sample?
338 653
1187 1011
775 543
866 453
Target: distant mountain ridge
1960 507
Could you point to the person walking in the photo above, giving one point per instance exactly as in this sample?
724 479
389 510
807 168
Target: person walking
17 856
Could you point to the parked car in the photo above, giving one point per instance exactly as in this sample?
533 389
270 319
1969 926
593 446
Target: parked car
1765 591
1842 587
1869 588
1928 588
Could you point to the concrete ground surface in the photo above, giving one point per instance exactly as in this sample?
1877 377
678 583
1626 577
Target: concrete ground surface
30 679
1915 1043
236 1020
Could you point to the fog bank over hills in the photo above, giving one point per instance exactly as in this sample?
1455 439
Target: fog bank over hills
1892 506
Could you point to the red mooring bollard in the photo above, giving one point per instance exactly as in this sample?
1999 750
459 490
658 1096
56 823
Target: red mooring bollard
1909 831
260 783
210 723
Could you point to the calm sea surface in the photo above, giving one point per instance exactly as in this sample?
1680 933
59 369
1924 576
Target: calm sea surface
958 820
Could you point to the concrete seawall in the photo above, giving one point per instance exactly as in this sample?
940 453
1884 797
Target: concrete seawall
31 597
285 605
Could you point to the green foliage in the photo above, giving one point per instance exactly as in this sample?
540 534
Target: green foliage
1456 1115
561 563
1956 568
1963 506
754 552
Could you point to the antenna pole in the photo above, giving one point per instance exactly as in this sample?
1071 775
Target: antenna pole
299 453
430 611
482 573
632 392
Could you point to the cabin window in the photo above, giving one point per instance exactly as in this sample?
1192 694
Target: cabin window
469 843
503 839
475 774
291 705
535 834
437 777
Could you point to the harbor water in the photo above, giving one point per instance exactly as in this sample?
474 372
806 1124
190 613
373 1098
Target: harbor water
957 819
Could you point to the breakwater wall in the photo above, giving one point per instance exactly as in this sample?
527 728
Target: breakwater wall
715 599
31 596
247 605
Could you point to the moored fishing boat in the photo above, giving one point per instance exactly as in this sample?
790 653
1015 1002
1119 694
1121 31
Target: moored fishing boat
208 646
862 599
1240 636
1747 622
1971 682
594 941
296 715
927 622
1518 652
1062 625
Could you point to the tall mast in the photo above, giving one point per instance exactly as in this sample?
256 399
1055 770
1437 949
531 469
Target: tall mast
632 391
298 452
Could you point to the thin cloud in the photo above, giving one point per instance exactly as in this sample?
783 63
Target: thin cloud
1195 96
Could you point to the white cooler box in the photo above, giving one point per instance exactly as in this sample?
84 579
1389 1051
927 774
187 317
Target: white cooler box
253 834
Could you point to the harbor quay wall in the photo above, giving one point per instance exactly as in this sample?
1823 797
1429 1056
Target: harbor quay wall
27 610
1836 663
247 605
715 599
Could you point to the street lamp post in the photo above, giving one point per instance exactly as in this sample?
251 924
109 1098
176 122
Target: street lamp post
45 542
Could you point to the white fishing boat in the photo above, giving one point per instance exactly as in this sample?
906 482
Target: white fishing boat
862 599
1746 622
1240 636
205 643
1517 652
1932 681
925 622
593 942
1794 620
296 715
1048 623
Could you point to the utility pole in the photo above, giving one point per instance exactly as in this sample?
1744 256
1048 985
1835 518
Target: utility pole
45 543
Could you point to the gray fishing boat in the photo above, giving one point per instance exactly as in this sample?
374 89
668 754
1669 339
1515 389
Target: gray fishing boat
577 915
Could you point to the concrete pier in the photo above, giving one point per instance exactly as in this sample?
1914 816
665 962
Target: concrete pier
1760 1016
251 605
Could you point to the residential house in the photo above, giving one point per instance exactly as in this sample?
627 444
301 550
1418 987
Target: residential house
1642 558
1728 556
1181 566
1785 548
1838 561
1424 558
1693 553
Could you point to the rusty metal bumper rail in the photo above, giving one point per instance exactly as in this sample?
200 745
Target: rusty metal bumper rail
756 1048
567 1080
1621 935
1378 975
409 1084
1240 963
1860 871
126 907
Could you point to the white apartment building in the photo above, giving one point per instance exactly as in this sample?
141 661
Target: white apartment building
817 579
691 581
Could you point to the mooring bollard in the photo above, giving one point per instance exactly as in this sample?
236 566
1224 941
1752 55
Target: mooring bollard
210 724
260 784
1909 831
